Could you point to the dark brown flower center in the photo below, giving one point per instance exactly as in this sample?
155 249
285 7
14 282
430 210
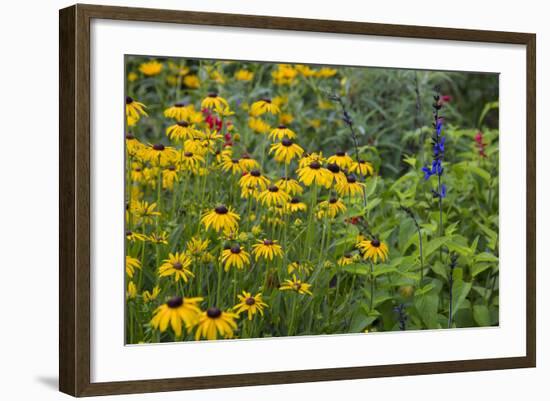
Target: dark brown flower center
286 142
250 301
158 146
221 209
333 200
129 100
340 154
375 242
137 169
177 266
351 179
188 154
128 233
315 165
333 168
273 188
282 127
255 173
179 105
347 255
183 124
130 136
236 249
267 100
235 161
172 168
268 242
295 200
175 302
213 94
297 286
213 312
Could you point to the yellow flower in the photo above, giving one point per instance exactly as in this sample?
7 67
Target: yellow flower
258 125
300 267
296 205
244 75
247 163
267 249
263 106
281 132
295 285
314 173
134 147
326 72
176 265
158 239
179 111
134 111
346 259
131 265
133 236
158 154
332 207
191 161
198 248
284 74
169 176
305 70
233 165
251 304
350 187
324 105
132 290
286 150
362 167
213 101
144 212
214 322
254 180
132 76
221 218
289 185
182 130
273 196
151 296
217 76
235 256
192 81
336 175
285 118
151 68
341 159
176 311
373 249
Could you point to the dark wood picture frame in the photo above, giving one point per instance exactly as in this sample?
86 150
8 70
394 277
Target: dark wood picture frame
74 199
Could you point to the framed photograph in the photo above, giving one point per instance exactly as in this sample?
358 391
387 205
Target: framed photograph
250 200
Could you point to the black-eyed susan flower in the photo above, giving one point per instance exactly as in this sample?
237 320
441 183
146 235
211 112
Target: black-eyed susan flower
296 285
197 248
131 292
285 118
273 195
133 146
263 106
286 150
330 208
255 180
133 236
314 173
134 111
300 267
214 101
326 72
176 265
221 218
341 159
169 176
267 249
149 296
179 111
192 81
144 211
349 187
362 168
289 185
296 205
214 322
158 154
285 74
251 304
150 68
159 238
191 161
182 130
137 174
336 175
305 70
132 264
232 165
373 249
235 256
282 131
258 125
244 75
176 312
346 259
248 163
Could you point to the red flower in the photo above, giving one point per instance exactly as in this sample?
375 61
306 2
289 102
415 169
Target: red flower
480 144
446 98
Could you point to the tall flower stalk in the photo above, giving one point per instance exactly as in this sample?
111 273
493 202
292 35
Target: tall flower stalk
454 259
420 248
436 168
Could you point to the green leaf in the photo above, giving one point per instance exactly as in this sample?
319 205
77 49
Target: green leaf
488 107
357 268
427 306
482 316
485 257
461 289
479 268
434 245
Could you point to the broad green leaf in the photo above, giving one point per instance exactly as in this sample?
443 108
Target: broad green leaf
482 316
434 245
461 289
